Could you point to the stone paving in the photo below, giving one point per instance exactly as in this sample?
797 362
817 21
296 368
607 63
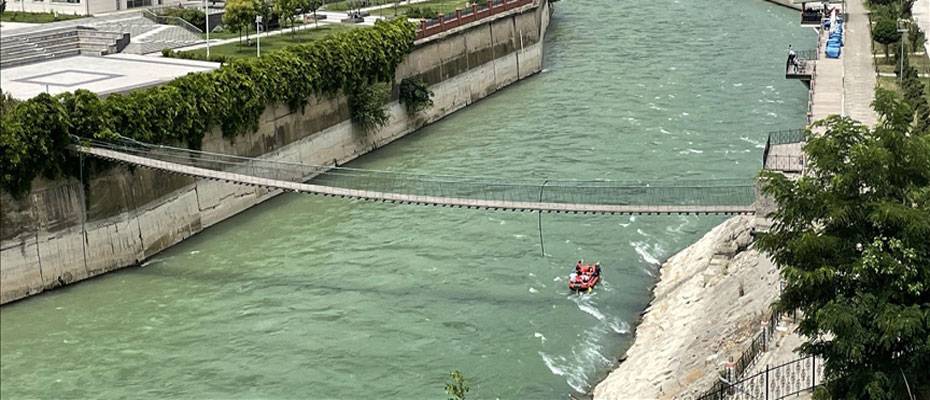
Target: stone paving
846 86
859 83
145 35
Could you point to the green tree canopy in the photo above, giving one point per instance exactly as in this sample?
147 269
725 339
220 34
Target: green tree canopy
239 15
852 239
286 9
311 6
886 32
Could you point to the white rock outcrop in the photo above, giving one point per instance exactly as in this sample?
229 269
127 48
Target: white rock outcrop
709 301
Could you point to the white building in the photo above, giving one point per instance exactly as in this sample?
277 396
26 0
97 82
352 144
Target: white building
81 7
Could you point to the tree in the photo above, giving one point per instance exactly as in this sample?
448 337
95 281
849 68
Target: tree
851 240
239 15
458 387
886 32
916 37
286 9
312 6
263 8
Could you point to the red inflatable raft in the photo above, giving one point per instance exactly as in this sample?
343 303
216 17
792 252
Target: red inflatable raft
585 277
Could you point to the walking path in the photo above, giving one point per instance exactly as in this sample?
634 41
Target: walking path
846 85
389 5
827 85
218 42
859 83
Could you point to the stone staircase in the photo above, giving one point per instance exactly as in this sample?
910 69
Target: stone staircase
57 43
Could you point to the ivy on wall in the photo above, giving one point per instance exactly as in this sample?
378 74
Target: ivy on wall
366 106
415 95
34 134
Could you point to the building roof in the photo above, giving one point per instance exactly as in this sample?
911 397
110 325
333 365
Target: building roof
104 75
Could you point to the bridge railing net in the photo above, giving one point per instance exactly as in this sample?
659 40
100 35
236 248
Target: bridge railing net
724 192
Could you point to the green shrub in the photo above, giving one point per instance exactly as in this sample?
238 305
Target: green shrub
193 16
194 55
886 32
35 133
366 105
421 12
415 95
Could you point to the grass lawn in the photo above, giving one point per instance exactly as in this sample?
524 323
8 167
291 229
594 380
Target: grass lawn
921 62
273 43
439 6
233 34
36 18
888 82
346 5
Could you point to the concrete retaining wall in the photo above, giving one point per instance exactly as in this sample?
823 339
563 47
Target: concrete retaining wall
50 238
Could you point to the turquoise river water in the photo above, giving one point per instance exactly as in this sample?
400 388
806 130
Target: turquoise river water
308 297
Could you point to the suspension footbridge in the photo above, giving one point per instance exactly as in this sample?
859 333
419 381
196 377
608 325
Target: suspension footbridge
725 197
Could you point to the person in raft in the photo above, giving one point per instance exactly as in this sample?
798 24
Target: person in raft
597 268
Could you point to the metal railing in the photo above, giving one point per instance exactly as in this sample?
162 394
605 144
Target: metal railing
459 17
808 54
772 383
811 17
170 20
787 136
785 163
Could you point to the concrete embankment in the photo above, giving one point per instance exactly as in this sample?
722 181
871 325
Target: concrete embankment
61 233
710 298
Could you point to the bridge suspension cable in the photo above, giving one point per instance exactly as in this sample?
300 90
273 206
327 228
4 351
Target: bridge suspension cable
728 196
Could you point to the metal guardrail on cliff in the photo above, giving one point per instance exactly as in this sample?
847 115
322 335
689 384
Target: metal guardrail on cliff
773 383
461 17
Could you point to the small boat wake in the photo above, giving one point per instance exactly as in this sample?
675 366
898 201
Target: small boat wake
579 366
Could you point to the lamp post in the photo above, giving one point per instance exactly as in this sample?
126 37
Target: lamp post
258 35
902 29
206 20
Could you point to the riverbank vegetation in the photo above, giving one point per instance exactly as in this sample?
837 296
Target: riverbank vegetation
851 242
415 95
34 134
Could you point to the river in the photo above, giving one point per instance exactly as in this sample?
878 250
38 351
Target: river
310 297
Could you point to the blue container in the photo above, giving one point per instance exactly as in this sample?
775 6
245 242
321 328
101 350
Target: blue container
833 51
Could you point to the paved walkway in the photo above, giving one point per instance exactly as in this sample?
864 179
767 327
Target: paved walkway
827 85
218 42
859 83
846 86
